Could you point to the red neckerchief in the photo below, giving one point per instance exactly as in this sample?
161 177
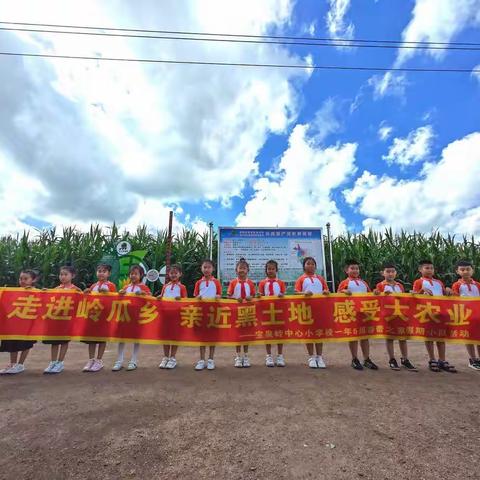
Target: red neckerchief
270 285
243 291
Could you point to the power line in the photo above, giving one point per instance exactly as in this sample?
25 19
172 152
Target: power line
243 64
242 40
277 37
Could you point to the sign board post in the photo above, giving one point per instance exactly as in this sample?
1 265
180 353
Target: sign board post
287 246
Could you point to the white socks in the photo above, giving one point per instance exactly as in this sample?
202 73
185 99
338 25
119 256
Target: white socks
136 348
121 352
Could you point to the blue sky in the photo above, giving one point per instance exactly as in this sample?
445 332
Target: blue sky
262 147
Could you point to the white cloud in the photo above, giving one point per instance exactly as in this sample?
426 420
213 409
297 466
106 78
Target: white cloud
384 131
429 115
17 196
309 28
445 197
300 191
437 21
411 149
337 26
150 213
476 73
197 224
391 83
326 120
112 141
432 21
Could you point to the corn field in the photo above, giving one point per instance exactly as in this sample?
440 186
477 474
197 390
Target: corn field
50 249
405 250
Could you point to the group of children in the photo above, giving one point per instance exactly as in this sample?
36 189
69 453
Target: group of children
243 289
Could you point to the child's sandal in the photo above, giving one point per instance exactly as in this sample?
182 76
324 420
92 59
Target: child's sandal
446 367
433 366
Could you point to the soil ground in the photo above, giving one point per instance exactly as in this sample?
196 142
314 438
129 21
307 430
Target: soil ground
257 423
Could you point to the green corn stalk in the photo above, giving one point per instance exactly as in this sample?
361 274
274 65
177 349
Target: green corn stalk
405 250
49 249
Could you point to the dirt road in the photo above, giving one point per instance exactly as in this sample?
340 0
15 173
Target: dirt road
257 423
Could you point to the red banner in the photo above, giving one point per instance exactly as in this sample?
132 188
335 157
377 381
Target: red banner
57 315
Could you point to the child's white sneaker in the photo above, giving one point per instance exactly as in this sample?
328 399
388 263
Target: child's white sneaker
17 368
97 366
312 362
280 361
58 367
269 361
163 363
117 366
200 365
50 367
89 365
238 362
321 362
210 364
246 362
3 371
131 366
172 363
